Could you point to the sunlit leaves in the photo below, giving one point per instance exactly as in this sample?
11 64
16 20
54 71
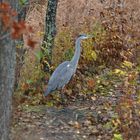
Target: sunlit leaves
89 52
117 137
64 46
119 72
127 64
94 55
29 81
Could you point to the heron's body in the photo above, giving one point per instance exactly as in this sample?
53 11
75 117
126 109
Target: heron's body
60 77
64 72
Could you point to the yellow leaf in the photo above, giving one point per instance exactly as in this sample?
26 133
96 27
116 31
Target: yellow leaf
128 64
94 55
120 72
40 34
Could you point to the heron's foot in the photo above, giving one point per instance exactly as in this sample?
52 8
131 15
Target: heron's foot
63 100
49 97
59 99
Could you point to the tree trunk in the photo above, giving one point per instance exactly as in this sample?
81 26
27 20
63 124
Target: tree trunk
50 32
7 74
20 51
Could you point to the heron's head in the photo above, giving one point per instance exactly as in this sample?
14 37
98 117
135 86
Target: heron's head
84 36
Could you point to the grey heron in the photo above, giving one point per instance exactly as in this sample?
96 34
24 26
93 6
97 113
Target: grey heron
64 72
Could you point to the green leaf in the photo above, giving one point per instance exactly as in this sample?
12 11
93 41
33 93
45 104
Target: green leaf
39 55
29 81
138 68
22 2
117 137
108 125
68 54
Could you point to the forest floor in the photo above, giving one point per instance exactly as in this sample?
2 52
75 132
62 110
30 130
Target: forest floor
111 116
82 120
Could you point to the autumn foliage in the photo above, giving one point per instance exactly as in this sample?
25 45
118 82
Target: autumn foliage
15 28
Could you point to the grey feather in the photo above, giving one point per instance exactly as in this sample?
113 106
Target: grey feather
60 77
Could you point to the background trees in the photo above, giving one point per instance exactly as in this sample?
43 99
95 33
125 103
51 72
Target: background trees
20 50
50 32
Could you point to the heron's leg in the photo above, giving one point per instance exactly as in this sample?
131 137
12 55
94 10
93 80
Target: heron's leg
63 89
49 97
63 97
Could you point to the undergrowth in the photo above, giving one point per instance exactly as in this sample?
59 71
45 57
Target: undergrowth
109 65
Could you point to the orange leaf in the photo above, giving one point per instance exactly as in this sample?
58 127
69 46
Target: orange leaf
91 83
25 86
5 7
18 29
19 26
15 35
31 43
6 20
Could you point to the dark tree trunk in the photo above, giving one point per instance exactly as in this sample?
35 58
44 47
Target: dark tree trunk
22 11
7 74
20 51
50 32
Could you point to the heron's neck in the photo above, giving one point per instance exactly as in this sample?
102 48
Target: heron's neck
77 53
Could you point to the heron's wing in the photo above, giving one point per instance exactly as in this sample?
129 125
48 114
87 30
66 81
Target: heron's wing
55 78
59 69
65 76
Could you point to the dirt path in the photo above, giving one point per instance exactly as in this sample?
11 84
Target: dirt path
81 120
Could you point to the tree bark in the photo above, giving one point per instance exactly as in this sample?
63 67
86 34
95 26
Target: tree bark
7 76
50 32
20 51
